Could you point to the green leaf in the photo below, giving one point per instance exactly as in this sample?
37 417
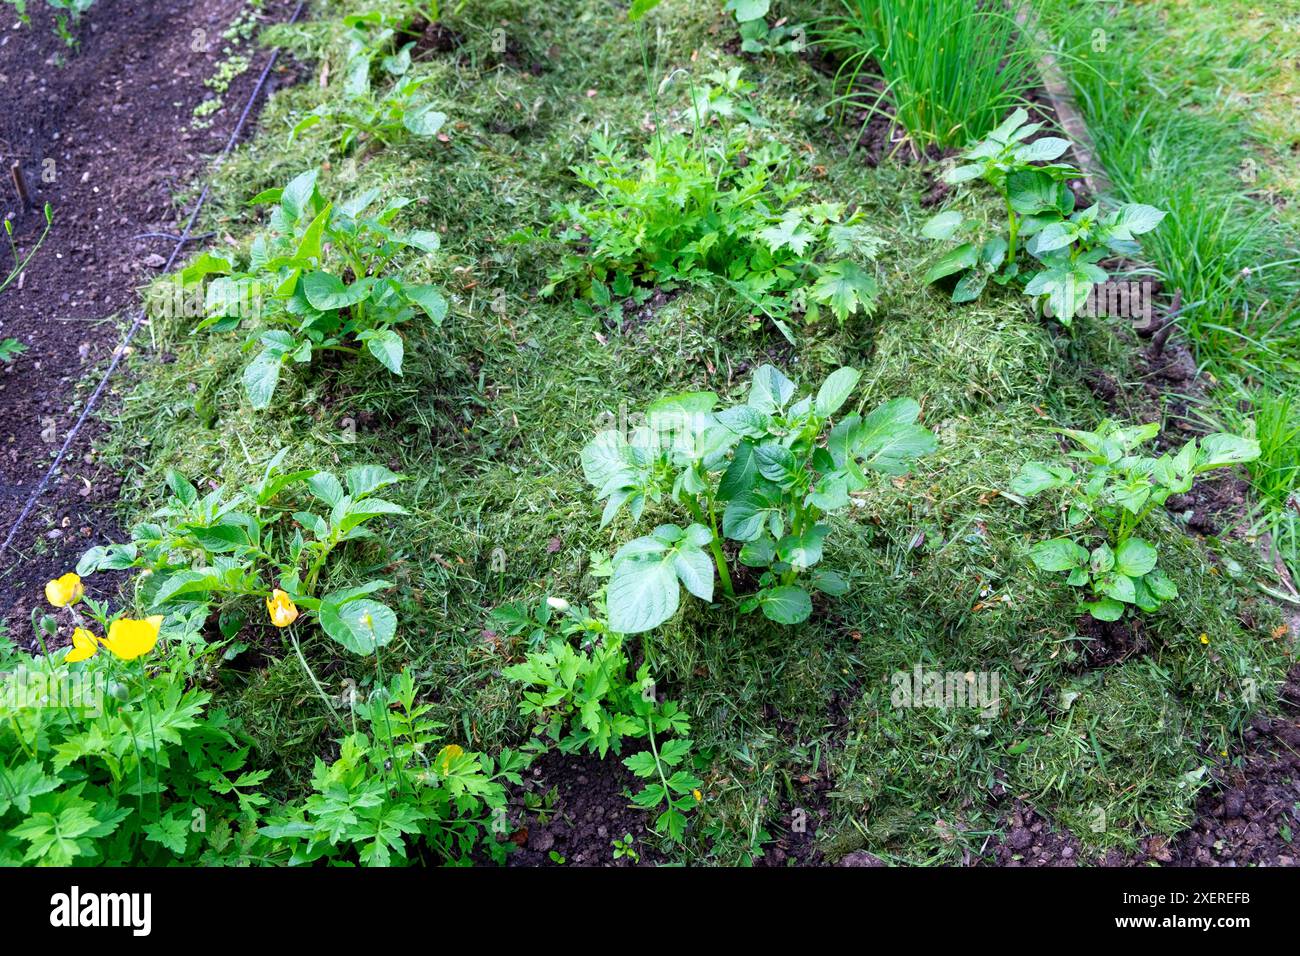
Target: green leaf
1035 477
642 594
845 287
1105 610
261 376
171 831
744 516
748 9
640 8
1222 449
887 439
965 256
769 390
741 475
835 391
1058 554
327 292
1134 219
830 582
424 120
694 568
325 486
359 625
1135 558
788 604
426 240
942 226
1042 150
429 299
363 479
385 345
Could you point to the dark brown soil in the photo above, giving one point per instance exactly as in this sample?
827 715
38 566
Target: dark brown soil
590 808
1253 817
1110 642
104 135
1030 840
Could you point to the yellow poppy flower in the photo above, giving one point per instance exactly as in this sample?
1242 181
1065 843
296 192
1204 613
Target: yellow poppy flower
84 645
64 591
281 608
697 795
442 763
130 639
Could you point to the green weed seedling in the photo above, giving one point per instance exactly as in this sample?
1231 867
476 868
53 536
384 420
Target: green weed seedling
394 789
765 473
362 112
583 699
1068 244
1107 501
322 277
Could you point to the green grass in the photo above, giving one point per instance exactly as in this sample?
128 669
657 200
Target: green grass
492 410
951 69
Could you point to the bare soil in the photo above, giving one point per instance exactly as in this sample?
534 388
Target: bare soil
104 134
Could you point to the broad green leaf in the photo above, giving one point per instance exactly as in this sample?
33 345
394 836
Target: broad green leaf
327 292
642 594
835 391
748 9
1106 609
430 299
887 440
359 625
1035 477
965 256
942 226
770 391
385 345
788 604
1135 558
424 120
363 479
694 568
1222 449
1058 554
261 377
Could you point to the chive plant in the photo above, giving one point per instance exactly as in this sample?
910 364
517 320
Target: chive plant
951 68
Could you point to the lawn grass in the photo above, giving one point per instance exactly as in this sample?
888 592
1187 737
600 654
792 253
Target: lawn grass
492 410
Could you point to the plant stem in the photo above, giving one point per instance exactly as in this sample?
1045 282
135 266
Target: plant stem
293 637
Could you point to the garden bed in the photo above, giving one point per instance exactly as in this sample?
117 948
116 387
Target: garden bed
776 732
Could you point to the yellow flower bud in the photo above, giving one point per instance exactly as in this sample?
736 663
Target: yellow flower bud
442 763
281 608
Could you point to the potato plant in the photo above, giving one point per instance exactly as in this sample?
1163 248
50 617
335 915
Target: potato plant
1106 501
323 277
765 474
1068 244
